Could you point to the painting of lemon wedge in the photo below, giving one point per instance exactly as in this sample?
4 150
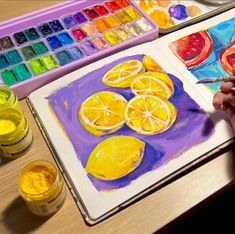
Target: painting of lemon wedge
123 73
153 83
151 65
115 157
103 112
149 115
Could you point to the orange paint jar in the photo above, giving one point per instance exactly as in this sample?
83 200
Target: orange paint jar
42 187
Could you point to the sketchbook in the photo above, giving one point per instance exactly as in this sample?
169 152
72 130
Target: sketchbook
120 127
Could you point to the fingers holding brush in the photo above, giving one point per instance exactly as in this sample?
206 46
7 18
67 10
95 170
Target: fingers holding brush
227 86
223 99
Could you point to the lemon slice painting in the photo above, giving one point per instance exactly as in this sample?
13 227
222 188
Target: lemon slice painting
151 65
149 115
153 83
123 73
103 113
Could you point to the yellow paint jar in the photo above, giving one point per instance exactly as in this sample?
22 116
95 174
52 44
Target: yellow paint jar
15 134
8 97
42 187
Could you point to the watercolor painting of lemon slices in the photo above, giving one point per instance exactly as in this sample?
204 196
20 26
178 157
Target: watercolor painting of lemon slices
153 83
123 73
115 157
149 115
103 112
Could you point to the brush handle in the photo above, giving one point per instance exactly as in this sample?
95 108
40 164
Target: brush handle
225 78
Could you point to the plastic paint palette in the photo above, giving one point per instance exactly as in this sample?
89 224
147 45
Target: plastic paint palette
40 47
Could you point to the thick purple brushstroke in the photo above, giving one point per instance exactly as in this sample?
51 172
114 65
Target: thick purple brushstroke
187 131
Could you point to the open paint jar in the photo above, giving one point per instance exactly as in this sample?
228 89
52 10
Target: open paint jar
8 97
15 134
42 187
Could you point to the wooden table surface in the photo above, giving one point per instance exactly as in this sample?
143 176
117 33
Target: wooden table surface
173 200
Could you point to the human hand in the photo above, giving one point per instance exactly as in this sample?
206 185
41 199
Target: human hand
225 100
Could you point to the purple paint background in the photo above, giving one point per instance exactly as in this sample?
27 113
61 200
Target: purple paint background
192 125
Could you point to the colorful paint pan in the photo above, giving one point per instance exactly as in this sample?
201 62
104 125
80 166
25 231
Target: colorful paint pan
49 62
28 52
91 13
111 21
80 18
122 33
88 48
76 53
123 17
99 42
64 57
13 57
6 43
100 25
112 5
112 37
89 29
3 61
22 72
20 38
45 29
69 21
37 66
40 48
56 25
78 34
70 34
54 42
9 77
102 10
65 38
133 13
122 3
134 29
31 34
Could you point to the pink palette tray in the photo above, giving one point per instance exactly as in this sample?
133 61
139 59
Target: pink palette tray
42 46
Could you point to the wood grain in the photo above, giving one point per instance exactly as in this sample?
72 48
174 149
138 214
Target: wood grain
148 215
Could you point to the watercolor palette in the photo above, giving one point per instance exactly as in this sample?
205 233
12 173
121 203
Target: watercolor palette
40 47
171 15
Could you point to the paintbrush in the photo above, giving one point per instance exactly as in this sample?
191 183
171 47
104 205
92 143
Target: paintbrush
216 79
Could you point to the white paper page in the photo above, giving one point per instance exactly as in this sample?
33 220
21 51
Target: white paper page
99 203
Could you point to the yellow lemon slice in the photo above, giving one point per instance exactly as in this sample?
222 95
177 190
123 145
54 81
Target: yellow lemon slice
103 112
153 83
151 65
149 115
123 73
115 157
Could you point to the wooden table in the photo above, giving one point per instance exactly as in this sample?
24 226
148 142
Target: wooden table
169 203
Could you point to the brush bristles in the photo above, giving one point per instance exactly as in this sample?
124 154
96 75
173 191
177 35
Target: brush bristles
207 80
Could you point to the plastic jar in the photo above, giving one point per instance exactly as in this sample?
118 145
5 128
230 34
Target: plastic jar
42 187
8 97
15 134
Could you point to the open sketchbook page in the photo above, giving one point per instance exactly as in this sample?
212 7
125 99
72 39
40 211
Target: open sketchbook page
116 144
206 49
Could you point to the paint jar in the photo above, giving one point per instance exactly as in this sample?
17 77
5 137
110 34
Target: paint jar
8 97
15 134
42 187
